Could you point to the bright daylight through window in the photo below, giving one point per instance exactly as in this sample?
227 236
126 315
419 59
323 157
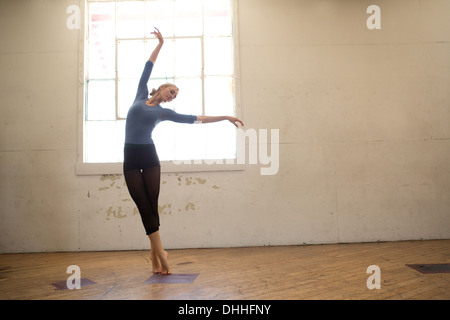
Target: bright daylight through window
197 56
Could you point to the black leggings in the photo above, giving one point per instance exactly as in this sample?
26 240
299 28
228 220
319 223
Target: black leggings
143 175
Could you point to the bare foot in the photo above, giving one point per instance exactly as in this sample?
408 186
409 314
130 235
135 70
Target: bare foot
165 268
156 264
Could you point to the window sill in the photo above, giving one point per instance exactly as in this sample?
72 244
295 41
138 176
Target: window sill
85 169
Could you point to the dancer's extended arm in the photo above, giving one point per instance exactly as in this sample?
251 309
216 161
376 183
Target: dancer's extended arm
209 119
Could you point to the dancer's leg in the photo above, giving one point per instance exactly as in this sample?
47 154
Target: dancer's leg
152 178
161 254
156 264
138 191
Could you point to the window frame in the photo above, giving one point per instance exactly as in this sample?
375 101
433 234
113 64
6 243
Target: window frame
113 168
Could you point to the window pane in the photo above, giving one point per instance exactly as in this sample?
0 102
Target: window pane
105 143
159 14
127 90
101 63
131 58
101 20
188 18
130 19
120 139
164 137
189 99
164 66
189 142
219 96
220 141
101 101
188 60
218 18
218 56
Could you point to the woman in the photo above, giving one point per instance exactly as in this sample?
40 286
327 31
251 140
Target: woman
141 165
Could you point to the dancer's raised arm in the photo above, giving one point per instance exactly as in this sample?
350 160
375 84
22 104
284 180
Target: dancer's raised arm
155 52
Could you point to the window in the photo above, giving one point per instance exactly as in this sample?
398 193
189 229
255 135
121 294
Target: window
197 56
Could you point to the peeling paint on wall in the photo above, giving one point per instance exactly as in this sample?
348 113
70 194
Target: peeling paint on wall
189 180
189 206
165 209
201 181
111 180
110 177
168 209
119 212
115 213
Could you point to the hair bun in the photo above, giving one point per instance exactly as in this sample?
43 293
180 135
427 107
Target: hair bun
153 92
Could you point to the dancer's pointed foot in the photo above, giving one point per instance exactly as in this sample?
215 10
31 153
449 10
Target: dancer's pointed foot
165 268
156 264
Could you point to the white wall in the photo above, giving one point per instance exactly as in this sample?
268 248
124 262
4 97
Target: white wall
364 120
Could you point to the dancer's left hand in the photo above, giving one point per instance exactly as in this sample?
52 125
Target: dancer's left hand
158 35
235 121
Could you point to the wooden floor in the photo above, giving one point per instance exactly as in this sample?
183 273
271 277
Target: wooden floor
335 271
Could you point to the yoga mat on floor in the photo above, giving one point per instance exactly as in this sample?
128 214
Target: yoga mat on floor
173 278
62 285
431 268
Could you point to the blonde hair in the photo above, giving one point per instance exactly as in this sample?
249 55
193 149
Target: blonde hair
154 91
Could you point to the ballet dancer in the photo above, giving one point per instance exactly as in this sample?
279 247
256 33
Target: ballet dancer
141 164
